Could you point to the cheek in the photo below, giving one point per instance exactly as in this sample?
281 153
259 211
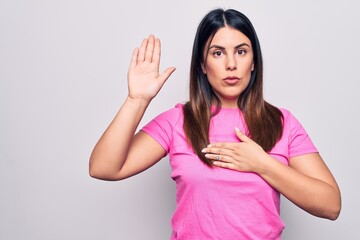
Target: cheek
212 80
247 67
209 67
212 72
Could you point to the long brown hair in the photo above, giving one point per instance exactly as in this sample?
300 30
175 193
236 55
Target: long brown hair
263 121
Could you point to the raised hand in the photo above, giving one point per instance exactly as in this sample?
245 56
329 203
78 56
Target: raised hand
144 80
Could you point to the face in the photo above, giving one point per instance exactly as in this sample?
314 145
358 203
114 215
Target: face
228 64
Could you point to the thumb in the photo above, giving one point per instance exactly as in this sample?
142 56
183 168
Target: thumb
166 74
241 136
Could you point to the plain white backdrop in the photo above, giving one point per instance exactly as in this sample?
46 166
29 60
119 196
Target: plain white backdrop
63 67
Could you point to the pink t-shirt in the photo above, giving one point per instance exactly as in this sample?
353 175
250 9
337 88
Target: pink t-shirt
217 203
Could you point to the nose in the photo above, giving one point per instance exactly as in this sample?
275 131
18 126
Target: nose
231 63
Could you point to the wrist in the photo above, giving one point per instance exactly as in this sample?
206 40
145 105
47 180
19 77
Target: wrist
137 101
265 164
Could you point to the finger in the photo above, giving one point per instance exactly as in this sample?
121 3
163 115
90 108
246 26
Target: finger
224 164
214 157
134 58
150 48
141 55
166 74
216 150
157 51
241 136
219 157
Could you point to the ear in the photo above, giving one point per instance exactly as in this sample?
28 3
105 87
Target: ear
252 67
203 68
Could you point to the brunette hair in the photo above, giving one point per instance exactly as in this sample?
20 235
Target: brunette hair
263 121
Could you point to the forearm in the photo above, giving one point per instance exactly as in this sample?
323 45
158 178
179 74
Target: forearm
311 194
111 150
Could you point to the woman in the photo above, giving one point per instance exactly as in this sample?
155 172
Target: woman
232 154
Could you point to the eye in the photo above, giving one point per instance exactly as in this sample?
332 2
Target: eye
217 53
241 51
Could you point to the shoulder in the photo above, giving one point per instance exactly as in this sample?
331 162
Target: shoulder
162 127
288 117
172 114
285 112
170 117
291 125
166 121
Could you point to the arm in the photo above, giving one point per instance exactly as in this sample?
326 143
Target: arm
307 181
119 153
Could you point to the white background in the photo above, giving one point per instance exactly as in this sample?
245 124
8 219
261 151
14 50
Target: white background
63 67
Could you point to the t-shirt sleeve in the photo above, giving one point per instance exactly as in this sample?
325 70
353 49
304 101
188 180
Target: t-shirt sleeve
162 126
299 141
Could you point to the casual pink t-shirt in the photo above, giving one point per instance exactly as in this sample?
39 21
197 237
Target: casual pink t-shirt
217 203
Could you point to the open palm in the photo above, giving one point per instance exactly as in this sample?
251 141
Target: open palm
143 76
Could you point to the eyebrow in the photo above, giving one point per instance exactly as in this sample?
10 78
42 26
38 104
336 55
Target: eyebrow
220 47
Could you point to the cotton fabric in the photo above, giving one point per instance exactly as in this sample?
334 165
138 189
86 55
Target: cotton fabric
217 203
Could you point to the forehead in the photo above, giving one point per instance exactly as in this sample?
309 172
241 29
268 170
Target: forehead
227 36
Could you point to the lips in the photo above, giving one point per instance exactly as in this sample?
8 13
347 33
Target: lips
231 80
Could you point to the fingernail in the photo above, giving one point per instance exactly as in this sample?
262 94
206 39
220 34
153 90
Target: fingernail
236 129
203 150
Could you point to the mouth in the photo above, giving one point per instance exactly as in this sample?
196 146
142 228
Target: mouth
231 80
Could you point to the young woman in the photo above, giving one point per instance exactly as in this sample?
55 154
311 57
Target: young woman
232 154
